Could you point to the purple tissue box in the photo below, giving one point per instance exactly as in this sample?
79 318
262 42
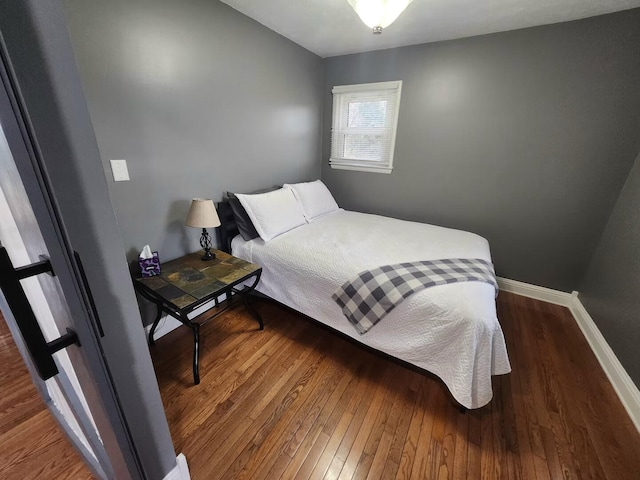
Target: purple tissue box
150 266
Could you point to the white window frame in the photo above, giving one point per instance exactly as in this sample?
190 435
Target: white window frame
342 95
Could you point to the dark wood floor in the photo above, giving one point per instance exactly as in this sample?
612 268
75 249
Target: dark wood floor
31 444
297 401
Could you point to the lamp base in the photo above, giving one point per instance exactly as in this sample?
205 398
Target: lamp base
205 243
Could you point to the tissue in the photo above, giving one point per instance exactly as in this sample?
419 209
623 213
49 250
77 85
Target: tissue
149 262
146 252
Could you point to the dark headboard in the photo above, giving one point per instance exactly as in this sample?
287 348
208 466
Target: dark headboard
228 228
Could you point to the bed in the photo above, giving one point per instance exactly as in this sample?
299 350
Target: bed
449 330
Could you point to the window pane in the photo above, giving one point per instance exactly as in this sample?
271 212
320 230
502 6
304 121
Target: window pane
367 114
364 147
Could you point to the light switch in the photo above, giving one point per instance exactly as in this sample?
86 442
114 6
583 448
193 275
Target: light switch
119 170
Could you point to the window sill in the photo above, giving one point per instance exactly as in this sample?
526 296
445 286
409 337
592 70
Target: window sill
361 168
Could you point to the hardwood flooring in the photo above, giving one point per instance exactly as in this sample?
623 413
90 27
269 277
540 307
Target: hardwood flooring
299 401
31 444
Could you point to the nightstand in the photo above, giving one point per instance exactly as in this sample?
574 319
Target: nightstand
188 283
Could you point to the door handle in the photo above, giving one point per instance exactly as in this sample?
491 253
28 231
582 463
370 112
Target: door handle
40 350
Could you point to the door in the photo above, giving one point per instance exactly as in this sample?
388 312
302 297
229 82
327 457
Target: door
41 280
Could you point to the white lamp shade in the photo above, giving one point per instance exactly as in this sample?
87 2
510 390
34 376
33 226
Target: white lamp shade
202 214
379 13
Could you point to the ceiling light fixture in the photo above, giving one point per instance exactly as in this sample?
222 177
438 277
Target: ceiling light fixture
379 14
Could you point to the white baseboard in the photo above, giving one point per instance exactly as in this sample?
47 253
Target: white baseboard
180 471
534 291
168 323
617 375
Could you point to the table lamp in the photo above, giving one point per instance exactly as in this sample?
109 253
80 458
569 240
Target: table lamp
202 214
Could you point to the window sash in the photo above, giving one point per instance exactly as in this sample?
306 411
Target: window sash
345 95
342 143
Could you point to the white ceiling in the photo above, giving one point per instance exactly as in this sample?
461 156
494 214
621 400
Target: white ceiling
331 27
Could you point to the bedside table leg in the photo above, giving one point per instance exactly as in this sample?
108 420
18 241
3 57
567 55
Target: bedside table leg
252 310
196 351
155 325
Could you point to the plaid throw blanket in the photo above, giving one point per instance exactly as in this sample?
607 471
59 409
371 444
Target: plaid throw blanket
367 298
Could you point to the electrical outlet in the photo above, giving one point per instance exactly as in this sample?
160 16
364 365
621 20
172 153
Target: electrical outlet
119 170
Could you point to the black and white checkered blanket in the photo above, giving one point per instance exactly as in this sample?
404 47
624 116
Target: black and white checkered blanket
366 299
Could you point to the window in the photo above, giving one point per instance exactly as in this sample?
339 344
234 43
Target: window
363 132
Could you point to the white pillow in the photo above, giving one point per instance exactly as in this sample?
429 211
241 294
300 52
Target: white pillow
273 213
315 198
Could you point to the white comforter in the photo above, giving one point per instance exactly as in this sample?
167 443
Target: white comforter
449 330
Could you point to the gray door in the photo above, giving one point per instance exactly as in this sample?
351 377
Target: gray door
42 284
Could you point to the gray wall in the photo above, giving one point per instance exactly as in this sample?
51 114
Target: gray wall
525 137
199 99
610 289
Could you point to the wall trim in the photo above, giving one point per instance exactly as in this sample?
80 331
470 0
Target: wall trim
534 291
180 471
624 387
166 325
618 376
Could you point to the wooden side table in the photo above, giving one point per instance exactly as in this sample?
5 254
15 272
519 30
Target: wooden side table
188 282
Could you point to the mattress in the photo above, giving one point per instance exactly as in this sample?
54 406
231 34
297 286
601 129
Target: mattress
450 330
